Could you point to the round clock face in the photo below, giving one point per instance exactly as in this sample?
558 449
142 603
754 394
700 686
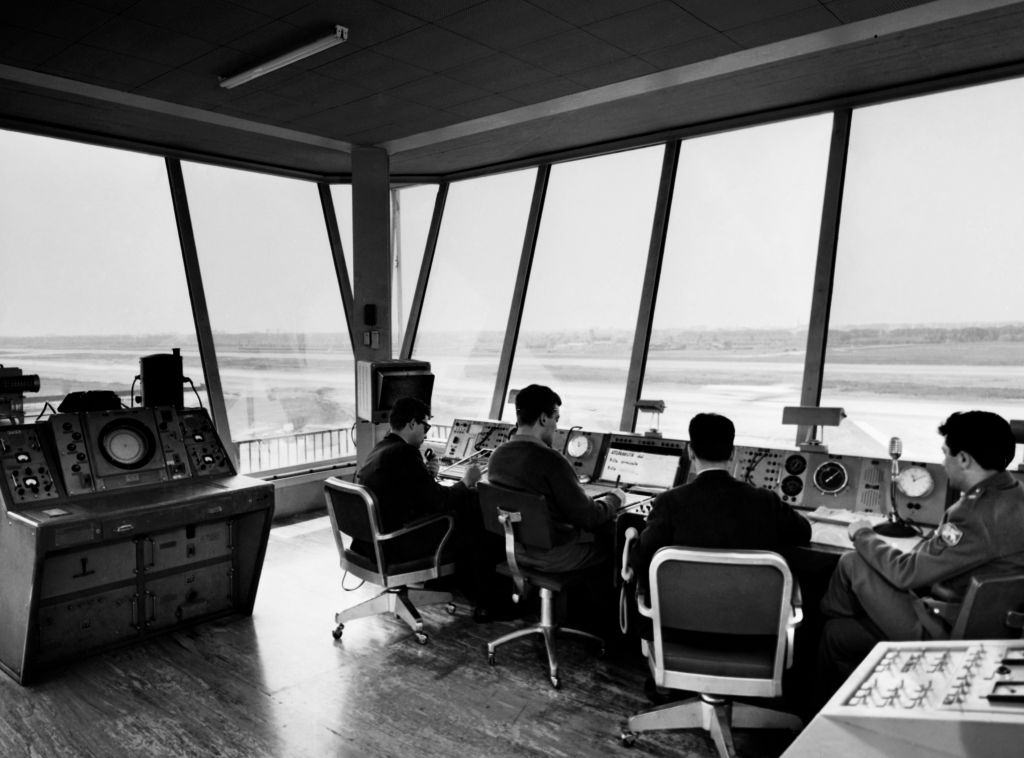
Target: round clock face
915 481
577 446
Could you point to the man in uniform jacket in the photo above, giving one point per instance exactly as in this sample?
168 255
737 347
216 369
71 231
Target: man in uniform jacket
406 491
875 591
715 510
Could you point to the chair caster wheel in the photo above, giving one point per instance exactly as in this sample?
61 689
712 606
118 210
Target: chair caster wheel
451 609
422 638
627 738
337 631
556 683
490 659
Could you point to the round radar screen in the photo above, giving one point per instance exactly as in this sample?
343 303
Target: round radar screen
830 477
577 446
915 481
126 444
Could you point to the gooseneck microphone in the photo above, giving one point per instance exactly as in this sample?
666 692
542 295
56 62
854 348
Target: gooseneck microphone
894 526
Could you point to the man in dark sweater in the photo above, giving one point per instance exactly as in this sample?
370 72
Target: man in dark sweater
715 510
527 462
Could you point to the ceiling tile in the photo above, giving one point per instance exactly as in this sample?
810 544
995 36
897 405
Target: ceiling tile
216 21
691 51
430 10
570 51
433 48
95 66
541 91
139 40
373 71
21 47
737 13
438 91
187 88
783 27
70 21
368 22
266 107
498 72
504 24
609 73
585 13
649 28
485 106
320 92
848 11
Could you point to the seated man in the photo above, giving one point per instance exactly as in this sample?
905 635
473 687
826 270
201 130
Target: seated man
527 462
715 510
406 490
873 594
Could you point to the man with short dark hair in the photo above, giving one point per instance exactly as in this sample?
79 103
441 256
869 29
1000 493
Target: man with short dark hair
715 510
405 487
875 591
528 462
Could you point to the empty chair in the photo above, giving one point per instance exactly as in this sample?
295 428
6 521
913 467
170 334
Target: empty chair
723 623
523 520
353 511
992 608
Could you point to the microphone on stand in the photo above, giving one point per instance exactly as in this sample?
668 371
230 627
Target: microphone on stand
894 526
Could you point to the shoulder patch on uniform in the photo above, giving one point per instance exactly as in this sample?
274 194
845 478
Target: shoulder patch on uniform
950 534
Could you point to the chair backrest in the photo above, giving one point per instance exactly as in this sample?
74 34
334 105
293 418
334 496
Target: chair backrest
353 511
534 530
709 594
993 608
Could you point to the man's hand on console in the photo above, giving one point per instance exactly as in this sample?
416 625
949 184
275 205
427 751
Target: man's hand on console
620 497
472 476
432 463
856 526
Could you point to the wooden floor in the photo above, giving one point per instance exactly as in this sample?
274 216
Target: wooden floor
277 684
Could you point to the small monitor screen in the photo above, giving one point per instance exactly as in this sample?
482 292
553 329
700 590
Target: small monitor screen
638 464
399 384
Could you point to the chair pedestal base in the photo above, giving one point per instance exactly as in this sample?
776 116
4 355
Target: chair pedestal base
547 629
715 715
401 601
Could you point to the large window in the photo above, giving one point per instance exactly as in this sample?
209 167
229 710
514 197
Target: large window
927 316
93 276
730 325
582 302
275 310
411 211
466 305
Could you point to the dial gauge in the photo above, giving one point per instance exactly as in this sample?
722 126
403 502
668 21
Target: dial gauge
792 486
915 481
795 465
577 446
831 477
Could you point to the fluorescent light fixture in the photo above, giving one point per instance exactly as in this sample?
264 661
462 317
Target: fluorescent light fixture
339 35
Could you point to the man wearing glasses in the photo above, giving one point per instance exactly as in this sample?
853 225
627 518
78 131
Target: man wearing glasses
406 489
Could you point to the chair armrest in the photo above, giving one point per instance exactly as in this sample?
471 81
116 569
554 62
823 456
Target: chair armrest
420 524
642 606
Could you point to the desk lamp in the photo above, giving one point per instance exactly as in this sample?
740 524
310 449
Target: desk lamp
811 417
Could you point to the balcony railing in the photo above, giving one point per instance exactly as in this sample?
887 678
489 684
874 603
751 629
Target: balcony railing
287 450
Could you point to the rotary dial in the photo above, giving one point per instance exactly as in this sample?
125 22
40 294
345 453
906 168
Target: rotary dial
577 446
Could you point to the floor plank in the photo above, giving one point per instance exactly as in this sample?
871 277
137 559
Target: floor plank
277 684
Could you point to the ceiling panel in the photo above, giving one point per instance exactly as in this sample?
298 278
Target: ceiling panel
505 24
569 51
650 28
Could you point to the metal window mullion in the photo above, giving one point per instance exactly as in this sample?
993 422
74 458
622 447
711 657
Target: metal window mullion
416 307
515 315
338 255
200 313
649 291
824 272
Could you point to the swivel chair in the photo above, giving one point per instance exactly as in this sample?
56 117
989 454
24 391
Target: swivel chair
523 520
992 608
354 511
723 624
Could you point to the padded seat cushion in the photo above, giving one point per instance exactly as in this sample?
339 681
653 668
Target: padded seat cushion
738 655
404 567
544 580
